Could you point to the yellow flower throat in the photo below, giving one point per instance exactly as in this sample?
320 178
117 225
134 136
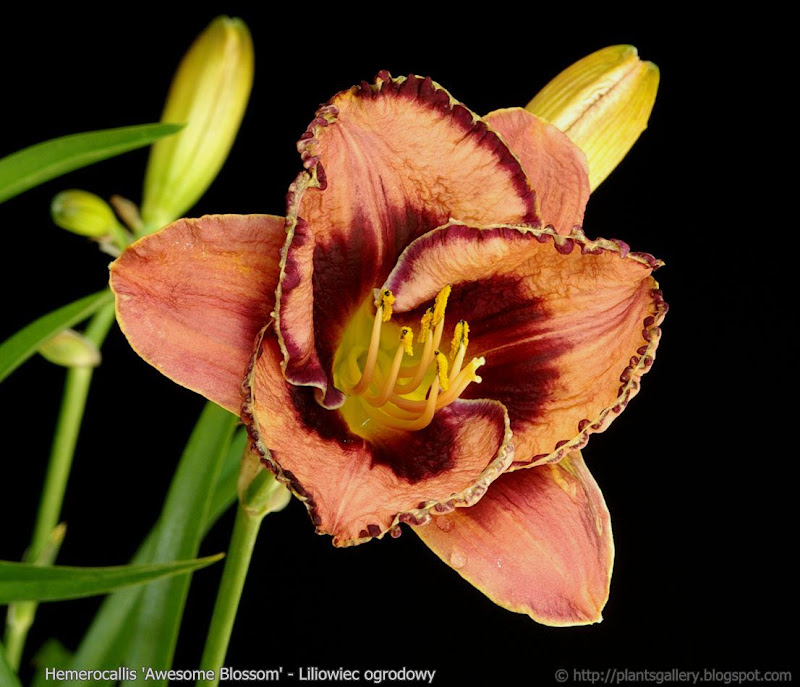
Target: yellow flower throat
388 386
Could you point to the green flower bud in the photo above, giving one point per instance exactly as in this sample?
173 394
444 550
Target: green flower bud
70 349
209 94
83 213
259 492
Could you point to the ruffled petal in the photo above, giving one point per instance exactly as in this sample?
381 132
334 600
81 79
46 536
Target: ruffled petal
385 164
192 297
555 166
356 489
567 325
538 543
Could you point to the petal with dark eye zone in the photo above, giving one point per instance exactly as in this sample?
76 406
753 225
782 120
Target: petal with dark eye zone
356 489
386 163
567 325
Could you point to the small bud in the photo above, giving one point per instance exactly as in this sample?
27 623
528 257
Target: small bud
127 211
259 492
602 102
209 94
70 349
83 213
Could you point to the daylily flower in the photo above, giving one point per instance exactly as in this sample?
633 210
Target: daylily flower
423 245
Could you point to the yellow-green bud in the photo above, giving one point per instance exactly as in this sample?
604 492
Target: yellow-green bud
70 349
259 492
602 102
83 213
209 94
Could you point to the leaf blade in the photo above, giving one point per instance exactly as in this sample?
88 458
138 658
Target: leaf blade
180 530
41 162
7 676
17 348
108 640
28 582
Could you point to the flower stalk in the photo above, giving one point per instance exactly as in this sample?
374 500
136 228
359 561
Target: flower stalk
259 494
41 550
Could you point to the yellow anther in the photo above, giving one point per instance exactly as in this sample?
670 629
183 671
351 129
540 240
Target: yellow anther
383 398
440 304
425 325
441 370
407 339
460 338
385 301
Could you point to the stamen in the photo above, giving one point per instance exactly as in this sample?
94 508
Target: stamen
459 347
417 372
437 334
407 338
457 387
441 370
410 425
440 304
425 325
386 300
388 386
374 342
384 399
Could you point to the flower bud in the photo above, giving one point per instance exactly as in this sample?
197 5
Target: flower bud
83 213
70 349
259 492
209 94
602 102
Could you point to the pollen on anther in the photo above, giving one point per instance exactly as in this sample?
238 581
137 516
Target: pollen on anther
440 304
460 338
407 339
441 370
425 325
386 300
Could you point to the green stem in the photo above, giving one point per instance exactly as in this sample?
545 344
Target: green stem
8 677
76 390
237 562
121 237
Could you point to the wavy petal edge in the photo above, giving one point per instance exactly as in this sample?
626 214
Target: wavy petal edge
638 364
314 176
425 510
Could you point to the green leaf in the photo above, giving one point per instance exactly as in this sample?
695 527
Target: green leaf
180 530
20 346
27 582
44 161
107 642
53 654
225 494
8 678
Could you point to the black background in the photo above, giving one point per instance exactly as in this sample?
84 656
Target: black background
693 472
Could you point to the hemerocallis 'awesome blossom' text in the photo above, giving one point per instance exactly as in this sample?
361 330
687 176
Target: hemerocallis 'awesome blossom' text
427 337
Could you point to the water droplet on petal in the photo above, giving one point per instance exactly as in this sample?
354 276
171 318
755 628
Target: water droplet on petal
458 559
445 523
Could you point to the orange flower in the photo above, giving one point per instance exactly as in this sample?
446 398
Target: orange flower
422 244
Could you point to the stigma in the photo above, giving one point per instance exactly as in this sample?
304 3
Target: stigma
404 391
